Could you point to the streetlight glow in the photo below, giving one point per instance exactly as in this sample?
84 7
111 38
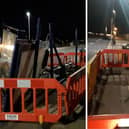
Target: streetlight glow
28 15
115 28
114 11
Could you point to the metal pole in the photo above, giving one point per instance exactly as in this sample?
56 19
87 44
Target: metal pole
111 27
29 26
76 43
113 21
36 48
51 49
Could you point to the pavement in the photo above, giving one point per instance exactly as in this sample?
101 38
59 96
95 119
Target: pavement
112 96
95 45
78 124
118 45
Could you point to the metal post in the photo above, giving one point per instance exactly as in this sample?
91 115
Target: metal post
29 26
28 16
111 27
51 49
36 48
76 44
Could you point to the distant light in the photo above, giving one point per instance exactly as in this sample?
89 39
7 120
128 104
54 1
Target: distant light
123 123
97 33
114 32
106 28
28 14
101 34
114 11
90 33
108 34
115 28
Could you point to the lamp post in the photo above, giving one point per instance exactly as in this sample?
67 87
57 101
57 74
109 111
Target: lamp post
113 25
28 16
114 16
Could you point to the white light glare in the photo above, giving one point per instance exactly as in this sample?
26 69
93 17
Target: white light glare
114 11
123 123
28 14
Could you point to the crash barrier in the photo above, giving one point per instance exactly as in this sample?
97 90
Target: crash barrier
93 70
36 103
108 121
68 58
75 86
114 58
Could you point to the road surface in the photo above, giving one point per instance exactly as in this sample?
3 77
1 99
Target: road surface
96 44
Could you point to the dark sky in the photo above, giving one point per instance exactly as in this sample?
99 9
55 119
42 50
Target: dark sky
100 12
65 14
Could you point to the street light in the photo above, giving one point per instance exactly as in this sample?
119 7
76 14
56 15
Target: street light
28 15
114 16
115 28
114 11
113 25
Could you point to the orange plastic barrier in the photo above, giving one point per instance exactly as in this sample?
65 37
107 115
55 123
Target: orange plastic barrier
107 58
75 86
70 57
67 97
115 58
37 113
108 121
93 70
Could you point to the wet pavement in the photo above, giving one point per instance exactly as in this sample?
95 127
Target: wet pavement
95 45
112 92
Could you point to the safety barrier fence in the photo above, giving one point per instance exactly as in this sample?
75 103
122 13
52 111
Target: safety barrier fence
106 58
115 58
36 114
75 86
68 58
117 121
93 70
39 105
103 59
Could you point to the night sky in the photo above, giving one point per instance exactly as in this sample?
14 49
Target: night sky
64 14
100 12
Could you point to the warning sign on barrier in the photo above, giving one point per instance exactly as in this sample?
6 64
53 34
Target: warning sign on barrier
1 83
11 117
23 83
